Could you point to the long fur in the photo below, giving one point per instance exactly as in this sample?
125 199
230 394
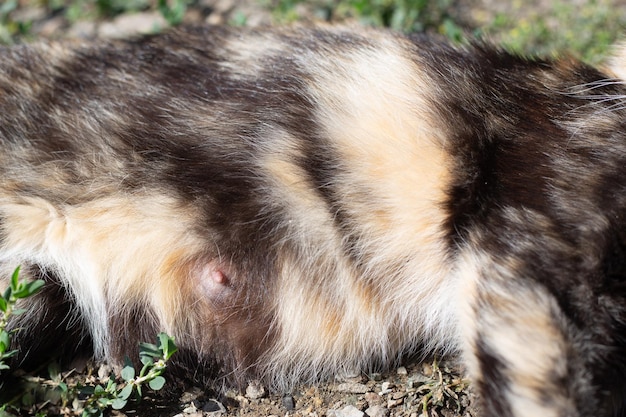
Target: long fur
294 203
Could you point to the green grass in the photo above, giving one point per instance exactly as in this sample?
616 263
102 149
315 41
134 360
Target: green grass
586 30
402 15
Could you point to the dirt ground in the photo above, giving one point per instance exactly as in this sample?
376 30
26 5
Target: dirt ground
469 14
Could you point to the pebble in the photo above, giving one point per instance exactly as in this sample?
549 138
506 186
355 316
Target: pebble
352 387
104 371
373 399
398 395
126 25
193 394
214 408
385 387
427 369
347 411
255 390
289 403
391 402
377 411
401 371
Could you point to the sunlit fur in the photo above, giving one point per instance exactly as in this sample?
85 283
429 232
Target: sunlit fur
292 204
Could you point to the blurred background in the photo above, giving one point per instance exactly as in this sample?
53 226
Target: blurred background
583 28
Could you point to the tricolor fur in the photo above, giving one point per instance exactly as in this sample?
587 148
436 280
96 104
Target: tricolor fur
290 204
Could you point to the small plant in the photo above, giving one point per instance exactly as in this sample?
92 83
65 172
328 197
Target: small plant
116 395
588 30
111 394
401 15
173 11
17 290
9 27
442 390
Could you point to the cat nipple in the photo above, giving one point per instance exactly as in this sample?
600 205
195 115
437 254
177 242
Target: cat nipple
219 277
214 280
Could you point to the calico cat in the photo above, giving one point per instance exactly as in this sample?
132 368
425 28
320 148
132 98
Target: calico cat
294 203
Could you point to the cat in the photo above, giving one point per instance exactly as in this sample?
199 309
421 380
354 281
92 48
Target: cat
295 203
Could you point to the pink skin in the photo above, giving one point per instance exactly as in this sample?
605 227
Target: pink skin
213 281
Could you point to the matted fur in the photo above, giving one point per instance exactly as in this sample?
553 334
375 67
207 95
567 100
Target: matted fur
291 204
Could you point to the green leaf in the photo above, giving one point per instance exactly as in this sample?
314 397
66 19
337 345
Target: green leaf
28 399
91 412
104 402
147 360
157 383
54 370
118 404
27 289
125 392
128 373
15 278
167 345
19 311
149 350
87 390
127 361
111 386
35 286
10 354
5 340
3 305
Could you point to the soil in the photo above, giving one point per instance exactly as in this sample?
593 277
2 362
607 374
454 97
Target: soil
419 389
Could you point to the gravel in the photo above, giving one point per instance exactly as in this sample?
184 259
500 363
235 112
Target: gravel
400 392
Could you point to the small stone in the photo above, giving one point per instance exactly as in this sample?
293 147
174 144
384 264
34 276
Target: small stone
385 387
214 408
255 390
104 371
377 411
289 403
192 394
317 401
351 377
347 411
401 371
83 30
394 402
373 399
398 395
427 369
126 25
447 413
353 388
